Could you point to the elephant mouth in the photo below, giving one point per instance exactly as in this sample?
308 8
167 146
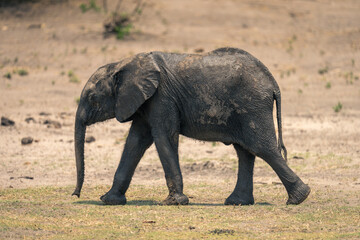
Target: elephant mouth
98 115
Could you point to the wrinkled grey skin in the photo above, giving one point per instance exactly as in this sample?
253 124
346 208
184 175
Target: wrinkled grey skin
226 95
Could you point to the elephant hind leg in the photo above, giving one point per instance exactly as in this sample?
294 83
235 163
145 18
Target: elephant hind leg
262 143
243 192
297 190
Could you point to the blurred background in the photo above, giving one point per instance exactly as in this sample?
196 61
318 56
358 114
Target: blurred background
48 50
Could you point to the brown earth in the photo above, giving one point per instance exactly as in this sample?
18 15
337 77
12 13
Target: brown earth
311 47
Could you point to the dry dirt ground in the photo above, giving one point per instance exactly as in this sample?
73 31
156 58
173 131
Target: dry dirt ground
311 47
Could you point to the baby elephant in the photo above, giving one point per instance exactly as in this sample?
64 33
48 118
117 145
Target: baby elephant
226 95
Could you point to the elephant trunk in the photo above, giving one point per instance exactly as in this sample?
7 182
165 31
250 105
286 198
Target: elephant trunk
80 129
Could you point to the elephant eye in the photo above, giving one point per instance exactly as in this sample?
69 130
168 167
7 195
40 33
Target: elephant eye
94 104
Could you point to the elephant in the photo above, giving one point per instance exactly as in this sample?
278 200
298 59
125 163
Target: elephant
226 95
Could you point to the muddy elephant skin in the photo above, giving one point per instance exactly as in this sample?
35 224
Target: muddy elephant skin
226 95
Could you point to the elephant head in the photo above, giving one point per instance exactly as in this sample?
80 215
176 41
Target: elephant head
114 90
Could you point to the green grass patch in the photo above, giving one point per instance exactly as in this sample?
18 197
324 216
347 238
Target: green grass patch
350 77
77 100
337 108
328 85
291 41
51 213
73 78
287 72
122 31
90 6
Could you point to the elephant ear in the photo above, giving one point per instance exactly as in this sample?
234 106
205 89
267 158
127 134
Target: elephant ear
137 81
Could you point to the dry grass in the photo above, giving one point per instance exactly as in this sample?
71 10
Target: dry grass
50 213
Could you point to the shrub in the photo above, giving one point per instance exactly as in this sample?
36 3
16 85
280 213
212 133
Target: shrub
121 23
7 75
22 72
322 71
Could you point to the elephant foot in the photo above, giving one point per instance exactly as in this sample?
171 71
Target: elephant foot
238 199
176 199
113 199
299 193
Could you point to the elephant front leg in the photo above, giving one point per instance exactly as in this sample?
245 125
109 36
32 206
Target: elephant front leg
167 147
138 141
243 192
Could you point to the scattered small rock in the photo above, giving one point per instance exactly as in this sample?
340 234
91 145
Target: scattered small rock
149 221
27 177
64 114
30 119
44 114
200 166
198 50
52 123
262 183
191 227
36 26
89 139
222 231
292 14
26 140
297 157
7 122
208 165
194 167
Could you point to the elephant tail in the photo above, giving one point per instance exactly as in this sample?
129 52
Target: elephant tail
281 146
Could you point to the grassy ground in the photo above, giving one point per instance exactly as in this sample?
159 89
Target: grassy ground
50 213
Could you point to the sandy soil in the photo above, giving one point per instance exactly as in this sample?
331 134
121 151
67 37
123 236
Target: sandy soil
295 39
